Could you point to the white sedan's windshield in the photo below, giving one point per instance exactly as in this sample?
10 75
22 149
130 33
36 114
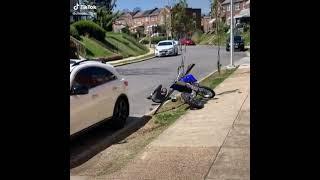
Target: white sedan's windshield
165 43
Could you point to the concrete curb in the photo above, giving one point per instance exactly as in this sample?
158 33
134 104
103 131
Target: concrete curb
131 61
125 62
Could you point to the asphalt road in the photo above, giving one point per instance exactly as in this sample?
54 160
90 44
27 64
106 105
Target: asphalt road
145 76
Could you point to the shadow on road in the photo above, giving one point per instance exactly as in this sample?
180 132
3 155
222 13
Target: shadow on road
97 139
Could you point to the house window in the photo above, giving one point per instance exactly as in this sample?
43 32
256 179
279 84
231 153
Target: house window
146 19
237 6
194 14
228 7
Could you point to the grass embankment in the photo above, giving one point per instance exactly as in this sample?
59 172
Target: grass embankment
125 45
94 49
114 43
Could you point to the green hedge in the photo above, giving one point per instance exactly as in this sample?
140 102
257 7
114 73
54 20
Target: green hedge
154 40
74 32
92 29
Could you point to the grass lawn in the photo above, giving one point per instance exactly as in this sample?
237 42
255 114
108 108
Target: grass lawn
94 49
124 46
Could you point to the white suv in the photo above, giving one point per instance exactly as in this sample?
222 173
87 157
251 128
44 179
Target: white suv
97 92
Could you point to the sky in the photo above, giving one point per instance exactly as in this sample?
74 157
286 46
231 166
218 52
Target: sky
149 4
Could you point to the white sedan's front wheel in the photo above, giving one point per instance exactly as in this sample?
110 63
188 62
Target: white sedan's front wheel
120 113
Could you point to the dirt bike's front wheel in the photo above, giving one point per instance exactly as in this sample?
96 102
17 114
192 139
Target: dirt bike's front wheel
193 102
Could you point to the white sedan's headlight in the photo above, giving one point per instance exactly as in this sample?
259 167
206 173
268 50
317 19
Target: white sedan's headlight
171 49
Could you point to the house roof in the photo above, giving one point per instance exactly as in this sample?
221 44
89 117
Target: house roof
156 12
146 13
228 1
138 14
124 16
134 13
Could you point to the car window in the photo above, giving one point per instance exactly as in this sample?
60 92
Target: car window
93 76
165 43
237 38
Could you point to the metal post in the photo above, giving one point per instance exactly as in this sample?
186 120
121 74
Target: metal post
231 33
149 37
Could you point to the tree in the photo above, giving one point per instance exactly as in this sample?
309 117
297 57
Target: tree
215 13
105 18
166 22
181 23
109 5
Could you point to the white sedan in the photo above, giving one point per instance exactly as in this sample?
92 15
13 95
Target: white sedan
165 48
97 93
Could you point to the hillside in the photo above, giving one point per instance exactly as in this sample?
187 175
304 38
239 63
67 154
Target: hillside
115 43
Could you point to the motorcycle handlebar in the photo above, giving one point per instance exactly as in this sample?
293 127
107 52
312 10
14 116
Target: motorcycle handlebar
190 66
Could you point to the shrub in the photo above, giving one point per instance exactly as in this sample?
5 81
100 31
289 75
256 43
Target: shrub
111 58
88 27
134 41
246 37
145 41
74 33
196 37
126 30
154 40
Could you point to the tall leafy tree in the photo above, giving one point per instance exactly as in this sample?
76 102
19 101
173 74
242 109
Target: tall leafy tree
105 18
181 23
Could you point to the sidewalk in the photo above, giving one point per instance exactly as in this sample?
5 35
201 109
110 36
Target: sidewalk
211 143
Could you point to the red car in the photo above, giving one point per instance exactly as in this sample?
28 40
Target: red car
187 42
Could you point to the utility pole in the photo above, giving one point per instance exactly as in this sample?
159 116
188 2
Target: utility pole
231 33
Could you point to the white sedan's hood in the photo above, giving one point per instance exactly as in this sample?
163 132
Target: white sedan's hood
164 47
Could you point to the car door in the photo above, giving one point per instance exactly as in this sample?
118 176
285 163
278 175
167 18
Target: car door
88 109
106 91
83 112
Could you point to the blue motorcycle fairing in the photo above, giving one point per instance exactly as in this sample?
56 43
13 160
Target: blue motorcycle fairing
189 78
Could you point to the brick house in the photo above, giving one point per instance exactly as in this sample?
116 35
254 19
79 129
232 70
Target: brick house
206 26
143 20
196 14
239 5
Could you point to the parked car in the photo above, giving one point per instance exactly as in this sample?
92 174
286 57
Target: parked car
97 93
238 43
165 48
186 41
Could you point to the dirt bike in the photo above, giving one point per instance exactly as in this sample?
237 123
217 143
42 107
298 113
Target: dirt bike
189 87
